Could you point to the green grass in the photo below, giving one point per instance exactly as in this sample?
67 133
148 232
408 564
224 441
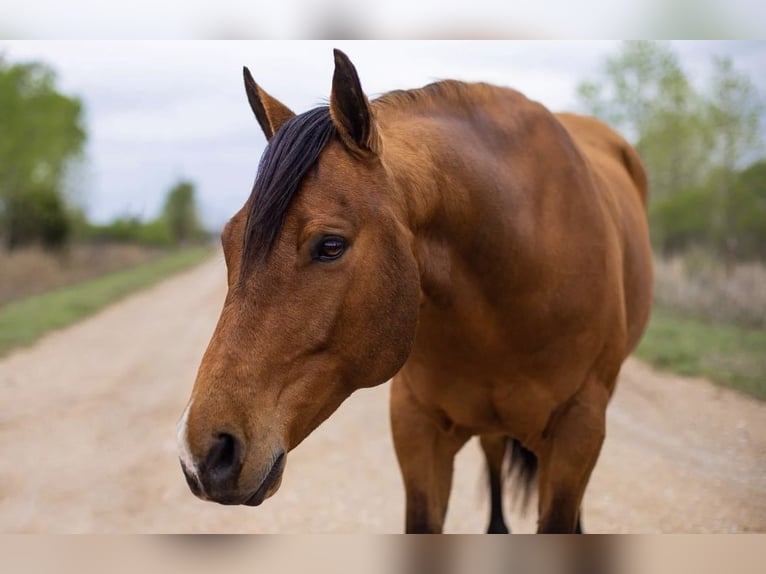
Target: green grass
23 322
726 354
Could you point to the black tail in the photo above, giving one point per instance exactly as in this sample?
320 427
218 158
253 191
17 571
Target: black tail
521 472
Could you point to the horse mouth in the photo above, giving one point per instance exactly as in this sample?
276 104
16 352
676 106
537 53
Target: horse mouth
270 483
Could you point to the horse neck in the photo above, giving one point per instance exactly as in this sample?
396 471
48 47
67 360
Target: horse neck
434 169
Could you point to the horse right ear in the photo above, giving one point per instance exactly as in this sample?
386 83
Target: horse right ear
270 112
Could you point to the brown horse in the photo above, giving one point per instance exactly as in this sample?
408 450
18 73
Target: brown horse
491 257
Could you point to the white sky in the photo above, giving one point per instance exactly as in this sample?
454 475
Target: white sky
286 19
159 111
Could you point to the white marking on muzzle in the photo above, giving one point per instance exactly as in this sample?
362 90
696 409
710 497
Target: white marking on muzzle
182 440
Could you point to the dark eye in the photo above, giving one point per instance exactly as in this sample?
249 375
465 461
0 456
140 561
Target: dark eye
329 248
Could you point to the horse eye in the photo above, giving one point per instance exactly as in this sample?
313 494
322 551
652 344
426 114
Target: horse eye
330 248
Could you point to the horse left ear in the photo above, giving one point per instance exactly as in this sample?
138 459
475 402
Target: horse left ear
350 110
269 111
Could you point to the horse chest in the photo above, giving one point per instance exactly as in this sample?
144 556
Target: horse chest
469 403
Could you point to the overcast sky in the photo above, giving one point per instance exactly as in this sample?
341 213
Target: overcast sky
160 111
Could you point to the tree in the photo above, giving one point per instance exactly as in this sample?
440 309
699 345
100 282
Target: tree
37 215
734 112
746 210
644 93
41 133
180 213
693 144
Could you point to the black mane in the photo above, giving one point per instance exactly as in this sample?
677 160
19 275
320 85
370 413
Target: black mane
291 153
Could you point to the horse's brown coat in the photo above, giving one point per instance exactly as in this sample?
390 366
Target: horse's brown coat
499 266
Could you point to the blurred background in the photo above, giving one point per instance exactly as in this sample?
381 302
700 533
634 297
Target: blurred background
393 19
112 153
121 161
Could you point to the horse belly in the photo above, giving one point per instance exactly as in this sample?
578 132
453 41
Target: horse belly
482 397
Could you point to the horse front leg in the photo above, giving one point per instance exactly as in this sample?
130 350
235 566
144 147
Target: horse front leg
567 458
426 451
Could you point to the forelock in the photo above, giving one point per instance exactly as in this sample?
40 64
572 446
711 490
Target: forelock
291 153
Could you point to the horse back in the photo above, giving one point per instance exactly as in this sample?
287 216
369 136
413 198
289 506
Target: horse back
602 146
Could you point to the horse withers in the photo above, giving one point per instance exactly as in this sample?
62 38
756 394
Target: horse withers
490 256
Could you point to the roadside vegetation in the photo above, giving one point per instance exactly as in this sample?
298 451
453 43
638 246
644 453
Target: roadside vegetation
724 353
701 145
709 320
57 266
23 321
32 270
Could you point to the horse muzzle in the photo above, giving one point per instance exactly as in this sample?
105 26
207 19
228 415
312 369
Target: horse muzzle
270 483
220 477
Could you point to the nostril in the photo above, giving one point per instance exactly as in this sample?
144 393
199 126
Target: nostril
223 458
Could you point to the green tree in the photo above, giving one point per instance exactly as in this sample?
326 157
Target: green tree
37 215
734 110
644 93
692 142
41 133
180 213
747 211
681 220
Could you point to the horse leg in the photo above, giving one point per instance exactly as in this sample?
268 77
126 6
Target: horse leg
578 526
426 450
569 452
494 447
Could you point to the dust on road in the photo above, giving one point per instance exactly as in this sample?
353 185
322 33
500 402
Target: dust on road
87 442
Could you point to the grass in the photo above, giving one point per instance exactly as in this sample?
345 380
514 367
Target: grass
727 354
24 321
32 270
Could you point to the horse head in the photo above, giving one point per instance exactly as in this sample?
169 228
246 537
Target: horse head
322 299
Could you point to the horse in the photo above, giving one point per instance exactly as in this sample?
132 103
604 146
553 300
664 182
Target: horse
490 258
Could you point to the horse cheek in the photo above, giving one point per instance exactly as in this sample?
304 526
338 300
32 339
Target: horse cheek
397 314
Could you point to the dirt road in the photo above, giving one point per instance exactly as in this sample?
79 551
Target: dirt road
87 429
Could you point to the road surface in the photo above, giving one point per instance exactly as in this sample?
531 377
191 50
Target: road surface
87 442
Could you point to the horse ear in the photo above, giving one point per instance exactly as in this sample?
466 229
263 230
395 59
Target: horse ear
350 110
270 112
